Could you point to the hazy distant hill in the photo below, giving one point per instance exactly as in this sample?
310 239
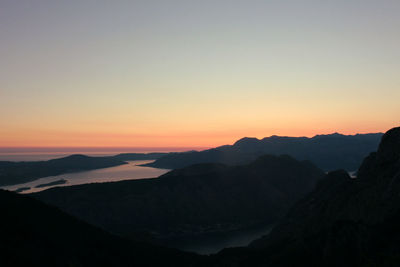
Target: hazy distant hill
35 234
139 156
328 152
196 199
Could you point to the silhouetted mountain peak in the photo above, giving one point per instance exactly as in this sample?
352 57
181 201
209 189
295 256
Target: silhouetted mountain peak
74 157
335 135
387 157
339 135
389 148
273 137
246 141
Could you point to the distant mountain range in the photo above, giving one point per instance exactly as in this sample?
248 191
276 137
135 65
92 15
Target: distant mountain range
193 200
328 152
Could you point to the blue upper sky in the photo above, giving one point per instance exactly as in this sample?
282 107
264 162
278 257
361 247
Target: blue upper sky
195 72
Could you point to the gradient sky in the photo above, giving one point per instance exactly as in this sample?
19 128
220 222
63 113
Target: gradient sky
195 73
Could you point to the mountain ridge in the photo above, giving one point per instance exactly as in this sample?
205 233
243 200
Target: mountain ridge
344 221
328 152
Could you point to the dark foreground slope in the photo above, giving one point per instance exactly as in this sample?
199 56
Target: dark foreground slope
193 200
21 172
34 234
343 222
328 152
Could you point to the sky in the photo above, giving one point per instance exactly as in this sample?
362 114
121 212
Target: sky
172 73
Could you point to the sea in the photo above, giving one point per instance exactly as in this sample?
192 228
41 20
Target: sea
130 171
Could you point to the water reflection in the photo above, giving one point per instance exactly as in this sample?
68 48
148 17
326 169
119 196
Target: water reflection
130 171
207 244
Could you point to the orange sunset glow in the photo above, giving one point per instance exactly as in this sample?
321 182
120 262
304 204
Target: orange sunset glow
101 80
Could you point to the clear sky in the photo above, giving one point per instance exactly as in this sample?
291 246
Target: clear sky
195 73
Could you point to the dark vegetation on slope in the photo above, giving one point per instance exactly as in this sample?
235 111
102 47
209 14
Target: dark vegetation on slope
197 199
328 152
35 234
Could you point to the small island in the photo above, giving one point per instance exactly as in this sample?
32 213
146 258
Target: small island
21 189
61 181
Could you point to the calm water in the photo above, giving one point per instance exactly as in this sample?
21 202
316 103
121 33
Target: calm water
213 243
130 171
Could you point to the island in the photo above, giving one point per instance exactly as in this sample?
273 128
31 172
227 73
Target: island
21 189
61 181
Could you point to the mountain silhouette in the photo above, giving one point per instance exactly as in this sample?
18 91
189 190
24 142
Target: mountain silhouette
344 222
328 152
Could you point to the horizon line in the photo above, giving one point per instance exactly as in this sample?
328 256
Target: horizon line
148 148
